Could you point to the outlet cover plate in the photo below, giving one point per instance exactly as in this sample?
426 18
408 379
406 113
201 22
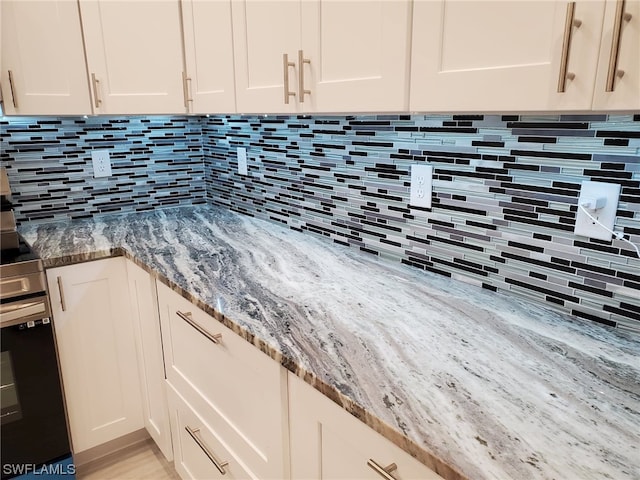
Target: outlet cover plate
607 215
421 185
101 163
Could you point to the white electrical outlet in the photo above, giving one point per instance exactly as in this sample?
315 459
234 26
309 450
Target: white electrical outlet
593 193
421 185
101 163
242 161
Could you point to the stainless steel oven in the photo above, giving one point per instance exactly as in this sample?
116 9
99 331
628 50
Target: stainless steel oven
33 425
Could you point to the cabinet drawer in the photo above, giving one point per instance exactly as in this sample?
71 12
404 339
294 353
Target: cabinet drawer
241 391
199 452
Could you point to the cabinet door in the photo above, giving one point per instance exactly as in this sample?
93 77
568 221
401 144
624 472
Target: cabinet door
358 53
208 43
97 351
622 30
263 31
134 55
329 443
144 310
504 56
237 388
43 70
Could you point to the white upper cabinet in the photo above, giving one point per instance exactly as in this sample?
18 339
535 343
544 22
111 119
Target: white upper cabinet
208 44
263 32
321 55
618 78
501 56
358 54
134 55
42 58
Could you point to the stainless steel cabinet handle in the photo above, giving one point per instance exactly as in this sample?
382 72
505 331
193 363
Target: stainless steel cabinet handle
194 434
301 62
616 37
186 81
569 23
61 290
215 338
384 472
286 64
13 91
96 95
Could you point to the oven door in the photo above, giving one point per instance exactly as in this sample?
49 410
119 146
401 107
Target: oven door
33 424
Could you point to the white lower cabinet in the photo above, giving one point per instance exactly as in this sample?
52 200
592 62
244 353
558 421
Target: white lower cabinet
97 351
237 391
144 310
329 443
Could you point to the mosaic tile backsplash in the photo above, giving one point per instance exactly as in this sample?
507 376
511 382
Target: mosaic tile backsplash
504 201
156 162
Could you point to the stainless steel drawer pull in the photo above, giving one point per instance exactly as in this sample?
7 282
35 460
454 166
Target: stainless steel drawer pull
214 337
569 23
13 91
96 95
286 64
61 290
301 62
616 37
194 434
384 472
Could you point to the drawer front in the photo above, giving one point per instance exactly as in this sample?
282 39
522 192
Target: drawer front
198 452
242 391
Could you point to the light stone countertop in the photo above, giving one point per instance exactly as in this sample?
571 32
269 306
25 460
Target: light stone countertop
474 383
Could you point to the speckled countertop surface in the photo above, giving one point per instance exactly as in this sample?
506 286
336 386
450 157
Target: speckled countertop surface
469 381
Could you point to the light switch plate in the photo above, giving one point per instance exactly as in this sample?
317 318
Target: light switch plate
421 185
101 163
242 161
607 215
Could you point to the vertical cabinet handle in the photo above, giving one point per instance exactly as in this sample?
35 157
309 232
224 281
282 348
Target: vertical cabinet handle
61 290
186 316
616 36
569 24
186 81
194 434
14 99
286 64
301 62
384 472
96 95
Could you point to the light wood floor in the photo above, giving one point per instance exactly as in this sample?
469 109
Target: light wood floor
142 461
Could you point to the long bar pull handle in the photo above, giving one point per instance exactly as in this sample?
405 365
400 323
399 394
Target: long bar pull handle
14 99
384 472
569 23
186 316
96 95
301 62
194 434
286 64
186 81
616 37
61 290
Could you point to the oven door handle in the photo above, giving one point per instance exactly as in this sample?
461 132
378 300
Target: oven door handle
14 313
